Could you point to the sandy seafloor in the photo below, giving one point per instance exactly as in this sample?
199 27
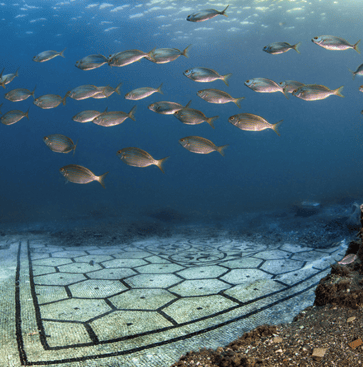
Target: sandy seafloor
78 292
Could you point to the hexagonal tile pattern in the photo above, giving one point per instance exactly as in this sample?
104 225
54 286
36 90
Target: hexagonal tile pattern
250 290
112 273
281 266
194 308
142 299
124 300
124 263
200 287
79 267
202 272
159 268
152 280
74 310
96 288
128 323
58 279
237 276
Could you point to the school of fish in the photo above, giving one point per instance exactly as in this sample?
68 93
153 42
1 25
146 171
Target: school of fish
136 157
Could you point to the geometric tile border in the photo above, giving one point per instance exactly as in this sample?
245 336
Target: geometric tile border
110 302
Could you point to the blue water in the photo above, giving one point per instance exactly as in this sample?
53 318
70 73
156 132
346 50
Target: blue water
317 157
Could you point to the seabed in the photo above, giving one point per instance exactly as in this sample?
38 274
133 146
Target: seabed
147 300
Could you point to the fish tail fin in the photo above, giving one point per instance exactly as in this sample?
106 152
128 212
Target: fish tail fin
159 89
285 92
275 127
160 163
355 46
16 73
101 179
74 147
117 89
26 114
210 120
187 105
221 149
223 12
105 110
149 54
32 93
2 73
64 100
3 84
296 47
237 101
226 77
62 52
185 52
353 73
338 91
131 113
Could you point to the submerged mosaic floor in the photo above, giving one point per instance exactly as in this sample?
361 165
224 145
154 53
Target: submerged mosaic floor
147 302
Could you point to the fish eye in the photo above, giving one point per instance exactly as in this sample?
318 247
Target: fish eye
315 38
247 81
294 91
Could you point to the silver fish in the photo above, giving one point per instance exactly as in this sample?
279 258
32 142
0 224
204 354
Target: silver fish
127 57
315 92
105 92
197 144
7 78
137 157
19 94
114 118
218 96
263 85
60 143
11 117
164 55
250 122
87 116
48 101
48 55
143 92
276 48
190 116
91 62
359 71
206 14
166 108
289 86
205 75
81 175
83 92
333 43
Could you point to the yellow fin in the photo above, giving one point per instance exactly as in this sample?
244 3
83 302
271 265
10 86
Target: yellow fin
296 47
275 126
237 101
101 179
210 120
355 47
221 149
226 77
131 113
338 91
160 163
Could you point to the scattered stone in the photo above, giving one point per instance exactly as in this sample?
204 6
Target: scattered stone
351 319
277 339
356 343
319 352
